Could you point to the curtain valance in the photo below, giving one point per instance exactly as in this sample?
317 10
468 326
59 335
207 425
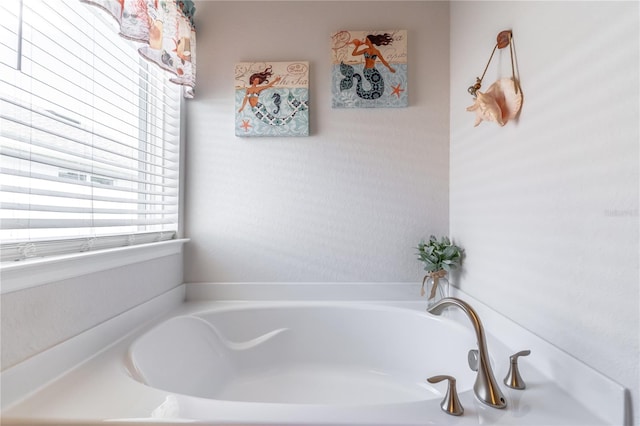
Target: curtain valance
167 30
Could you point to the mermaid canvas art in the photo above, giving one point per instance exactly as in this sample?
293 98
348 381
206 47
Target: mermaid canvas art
369 69
272 99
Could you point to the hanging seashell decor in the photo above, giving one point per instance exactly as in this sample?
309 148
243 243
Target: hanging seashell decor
502 101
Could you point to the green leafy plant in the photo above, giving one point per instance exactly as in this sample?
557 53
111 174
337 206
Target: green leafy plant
437 255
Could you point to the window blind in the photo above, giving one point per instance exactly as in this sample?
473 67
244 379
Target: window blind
89 134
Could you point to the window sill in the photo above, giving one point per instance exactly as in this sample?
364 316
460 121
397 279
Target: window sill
34 272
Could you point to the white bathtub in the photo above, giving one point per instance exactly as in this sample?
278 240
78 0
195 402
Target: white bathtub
313 354
294 363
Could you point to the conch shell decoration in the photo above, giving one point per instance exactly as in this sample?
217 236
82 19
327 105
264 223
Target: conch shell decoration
500 103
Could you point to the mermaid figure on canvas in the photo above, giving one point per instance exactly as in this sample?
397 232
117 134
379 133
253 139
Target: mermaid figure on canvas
252 95
370 72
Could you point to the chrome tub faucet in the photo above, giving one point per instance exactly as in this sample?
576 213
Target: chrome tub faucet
485 387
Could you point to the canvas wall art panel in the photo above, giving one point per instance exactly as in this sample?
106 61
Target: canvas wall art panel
272 99
369 69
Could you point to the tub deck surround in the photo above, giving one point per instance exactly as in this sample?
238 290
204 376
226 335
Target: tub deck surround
105 387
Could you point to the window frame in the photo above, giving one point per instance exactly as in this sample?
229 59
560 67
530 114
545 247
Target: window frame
26 271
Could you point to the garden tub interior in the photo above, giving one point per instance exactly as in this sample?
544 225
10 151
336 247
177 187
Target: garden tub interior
344 355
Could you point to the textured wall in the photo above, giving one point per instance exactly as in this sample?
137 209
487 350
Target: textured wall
38 318
347 203
547 208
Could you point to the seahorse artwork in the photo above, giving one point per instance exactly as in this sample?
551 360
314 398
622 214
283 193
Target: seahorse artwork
272 99
277 100
369 69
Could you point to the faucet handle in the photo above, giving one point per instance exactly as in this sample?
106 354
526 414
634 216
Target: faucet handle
450 404
513 379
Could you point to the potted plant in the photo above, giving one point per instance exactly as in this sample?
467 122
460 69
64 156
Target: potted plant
439 257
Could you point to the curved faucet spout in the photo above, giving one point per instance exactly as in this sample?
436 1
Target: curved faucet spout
485 387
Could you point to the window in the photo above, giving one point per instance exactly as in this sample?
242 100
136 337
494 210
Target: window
89 134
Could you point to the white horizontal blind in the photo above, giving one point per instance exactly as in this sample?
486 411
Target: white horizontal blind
89 134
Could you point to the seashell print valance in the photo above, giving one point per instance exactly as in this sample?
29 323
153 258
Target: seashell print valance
165 27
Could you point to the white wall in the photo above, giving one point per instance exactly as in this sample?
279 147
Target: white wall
348 203
37 318
547 207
